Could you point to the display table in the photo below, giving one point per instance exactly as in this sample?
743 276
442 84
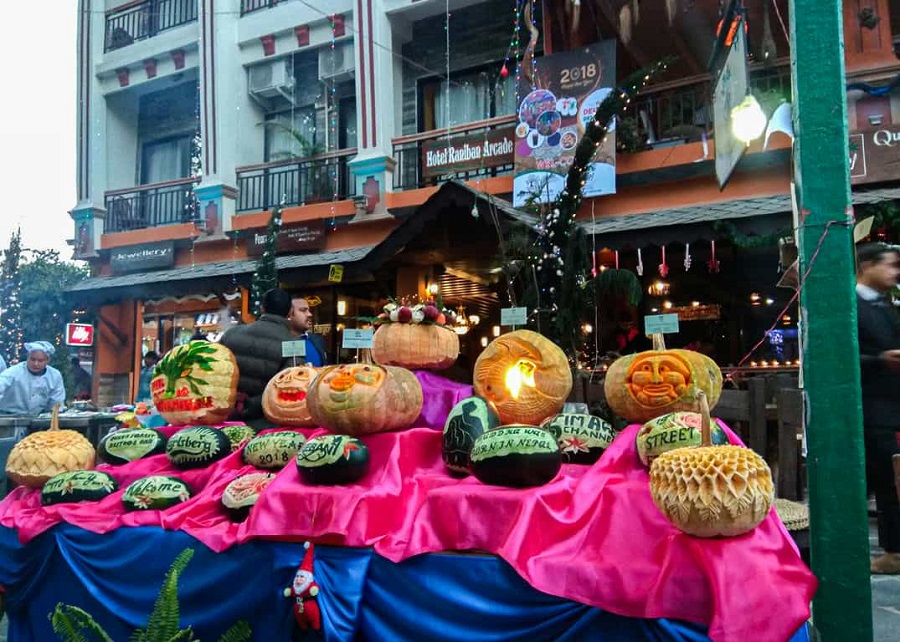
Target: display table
591 538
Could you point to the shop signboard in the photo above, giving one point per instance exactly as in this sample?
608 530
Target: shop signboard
306 237
697 312
731 89
142 258
79 334
661 324
875 155
552 118
486 149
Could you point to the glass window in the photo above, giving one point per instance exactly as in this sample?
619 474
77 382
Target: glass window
166 160
469 98
347 123
292 134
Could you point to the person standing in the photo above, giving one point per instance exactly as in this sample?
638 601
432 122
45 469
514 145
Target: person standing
32 387
81 380
301 320
146 375
257 350
878 271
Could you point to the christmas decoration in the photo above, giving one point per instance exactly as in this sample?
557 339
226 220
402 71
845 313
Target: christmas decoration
266 275
663 267
304 591
687 257
713 263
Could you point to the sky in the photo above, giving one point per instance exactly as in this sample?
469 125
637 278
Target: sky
37 122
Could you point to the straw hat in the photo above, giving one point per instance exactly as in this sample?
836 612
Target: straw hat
794 515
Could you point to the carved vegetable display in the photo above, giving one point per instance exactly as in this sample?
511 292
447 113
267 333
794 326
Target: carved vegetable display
671 431
415 346
359 399
284 399
128 445
712 491
466 422
581 438
273 450
195 383
78 486
156 492
643 386
41 455
515 456
197 447
332 459
525 377
243 492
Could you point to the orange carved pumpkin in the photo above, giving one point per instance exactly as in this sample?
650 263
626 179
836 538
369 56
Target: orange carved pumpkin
640 387
524 376
415 346
195 383
359 399
284 399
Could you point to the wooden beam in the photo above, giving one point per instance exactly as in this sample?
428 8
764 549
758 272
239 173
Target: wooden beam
121 338
611 15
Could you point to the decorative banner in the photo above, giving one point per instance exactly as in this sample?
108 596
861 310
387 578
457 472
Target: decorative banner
309 236
552 118
140 258
875 155
731 88
470 152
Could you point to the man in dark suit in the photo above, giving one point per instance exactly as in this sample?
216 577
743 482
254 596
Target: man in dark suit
878 270
301 320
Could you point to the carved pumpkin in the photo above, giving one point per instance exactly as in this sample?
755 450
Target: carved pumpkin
284 399
415 346
640 387
45 454
195 383
358 399
524 376
712 491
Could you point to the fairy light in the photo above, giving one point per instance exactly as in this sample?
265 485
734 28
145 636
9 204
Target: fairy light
333 115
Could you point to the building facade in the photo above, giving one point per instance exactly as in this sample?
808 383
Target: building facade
197 117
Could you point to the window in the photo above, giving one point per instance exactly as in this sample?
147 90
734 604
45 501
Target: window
166 160
292 134
470 97
347 123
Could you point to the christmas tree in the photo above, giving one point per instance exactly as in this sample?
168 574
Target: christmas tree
10 300
266 275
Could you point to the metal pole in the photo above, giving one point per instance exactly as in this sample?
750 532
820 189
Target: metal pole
842 608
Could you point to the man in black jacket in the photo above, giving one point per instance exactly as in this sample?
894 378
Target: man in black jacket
878 270
257 349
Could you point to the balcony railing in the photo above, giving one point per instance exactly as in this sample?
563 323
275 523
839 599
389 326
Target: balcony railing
296 182
135 21
249 6
416 169
151 206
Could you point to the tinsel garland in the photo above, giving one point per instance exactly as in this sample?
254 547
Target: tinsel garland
561 291
266 275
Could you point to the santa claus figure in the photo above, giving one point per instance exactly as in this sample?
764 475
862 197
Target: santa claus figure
304 591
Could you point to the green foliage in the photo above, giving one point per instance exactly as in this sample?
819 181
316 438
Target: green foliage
614 285
10 299
72 624
266 275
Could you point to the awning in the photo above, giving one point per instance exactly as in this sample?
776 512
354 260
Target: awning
760 216
210 276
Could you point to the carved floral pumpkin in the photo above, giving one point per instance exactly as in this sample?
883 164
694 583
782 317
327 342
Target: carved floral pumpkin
359 399
712 491
524 376
640 387
195 383
284 399
415 346
45 454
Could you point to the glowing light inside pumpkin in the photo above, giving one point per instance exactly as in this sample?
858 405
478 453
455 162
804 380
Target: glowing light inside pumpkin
522 373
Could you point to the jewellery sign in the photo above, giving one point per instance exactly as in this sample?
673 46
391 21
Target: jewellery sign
875 155
552 118
493 148
141 258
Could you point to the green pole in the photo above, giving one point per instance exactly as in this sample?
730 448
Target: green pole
839 532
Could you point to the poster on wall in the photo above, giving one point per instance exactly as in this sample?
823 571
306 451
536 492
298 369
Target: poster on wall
552 117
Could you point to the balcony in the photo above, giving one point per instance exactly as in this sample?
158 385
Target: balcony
136 21
249 6
430 158
317 179
153 205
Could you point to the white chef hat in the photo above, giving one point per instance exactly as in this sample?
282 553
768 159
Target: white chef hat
44 346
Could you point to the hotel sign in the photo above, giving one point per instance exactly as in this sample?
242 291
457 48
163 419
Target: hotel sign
875 155
470 152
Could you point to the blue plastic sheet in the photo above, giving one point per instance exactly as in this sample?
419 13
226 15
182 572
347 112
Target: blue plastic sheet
432 598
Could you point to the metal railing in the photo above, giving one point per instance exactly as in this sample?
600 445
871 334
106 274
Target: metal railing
151 206
249 6
129 23
296 182
408 172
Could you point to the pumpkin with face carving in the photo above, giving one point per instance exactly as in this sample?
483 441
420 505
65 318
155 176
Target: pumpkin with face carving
524 376
284 399
646 385
358 399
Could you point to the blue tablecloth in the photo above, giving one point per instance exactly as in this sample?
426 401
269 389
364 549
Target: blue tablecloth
115 577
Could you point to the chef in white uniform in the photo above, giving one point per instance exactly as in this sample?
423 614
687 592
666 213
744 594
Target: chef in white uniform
32 387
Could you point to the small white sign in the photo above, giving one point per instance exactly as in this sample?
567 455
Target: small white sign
293 348
513 316
357 338
661 324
